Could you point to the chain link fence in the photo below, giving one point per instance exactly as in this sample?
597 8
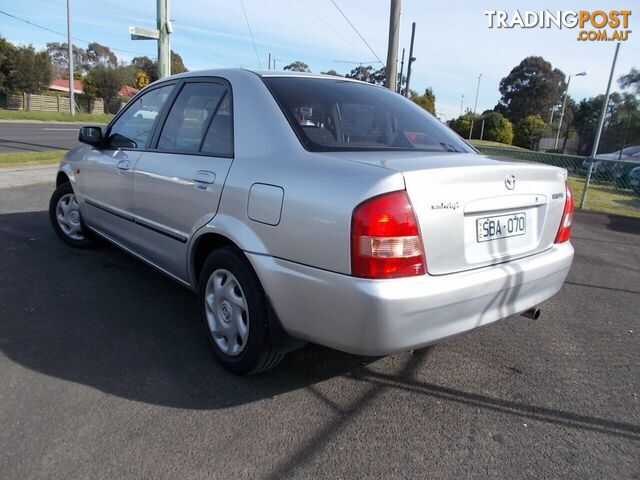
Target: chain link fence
613 183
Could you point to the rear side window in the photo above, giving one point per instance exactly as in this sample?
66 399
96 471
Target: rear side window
199 121
342 115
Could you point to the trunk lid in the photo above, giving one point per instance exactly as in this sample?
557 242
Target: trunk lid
460 200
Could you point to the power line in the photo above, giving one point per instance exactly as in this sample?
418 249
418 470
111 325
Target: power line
356 30
32 24
24 20
251 33
325 22
206 47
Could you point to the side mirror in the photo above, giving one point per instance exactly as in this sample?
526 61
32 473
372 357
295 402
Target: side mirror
91 136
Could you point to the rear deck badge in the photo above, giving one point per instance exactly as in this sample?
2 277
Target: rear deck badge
510 182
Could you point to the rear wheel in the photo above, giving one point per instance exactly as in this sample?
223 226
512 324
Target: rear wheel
64 214
234 313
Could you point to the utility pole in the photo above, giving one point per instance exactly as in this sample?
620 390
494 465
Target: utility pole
564 105
482 130
461 103
72 102
391 77
596 140
399 90
475 106
411 59
164 47
269 62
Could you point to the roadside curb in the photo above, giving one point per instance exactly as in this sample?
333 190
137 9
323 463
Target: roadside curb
27 175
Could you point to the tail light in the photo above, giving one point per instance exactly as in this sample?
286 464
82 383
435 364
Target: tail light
385 238
564 232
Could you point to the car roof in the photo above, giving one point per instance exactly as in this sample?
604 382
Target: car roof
224 72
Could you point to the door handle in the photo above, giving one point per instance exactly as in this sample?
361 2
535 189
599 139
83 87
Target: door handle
123 165
204 176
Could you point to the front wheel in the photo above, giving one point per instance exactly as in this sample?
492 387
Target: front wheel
64 214
235 314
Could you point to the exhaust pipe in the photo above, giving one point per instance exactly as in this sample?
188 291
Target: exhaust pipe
532 313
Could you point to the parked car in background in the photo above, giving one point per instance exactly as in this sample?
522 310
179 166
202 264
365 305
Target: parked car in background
614 166
314 208
634 179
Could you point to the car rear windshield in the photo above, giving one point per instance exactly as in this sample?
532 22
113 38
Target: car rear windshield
343 115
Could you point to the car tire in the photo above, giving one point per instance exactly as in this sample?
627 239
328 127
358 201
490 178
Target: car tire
66 220
235 313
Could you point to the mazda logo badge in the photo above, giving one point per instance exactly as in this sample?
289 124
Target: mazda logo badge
510 182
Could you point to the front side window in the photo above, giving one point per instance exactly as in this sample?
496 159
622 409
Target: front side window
134 128
196 120
342 115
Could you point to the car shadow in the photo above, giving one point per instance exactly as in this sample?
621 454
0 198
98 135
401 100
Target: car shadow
102 318
616 223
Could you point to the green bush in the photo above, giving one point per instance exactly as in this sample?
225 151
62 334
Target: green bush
528 131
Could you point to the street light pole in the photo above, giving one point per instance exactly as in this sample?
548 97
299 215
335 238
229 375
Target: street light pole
411 59
475 106
399 89
564 105
72 102
596 140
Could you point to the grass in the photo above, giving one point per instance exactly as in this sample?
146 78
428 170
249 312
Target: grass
54 116
19 159
487 143
606 198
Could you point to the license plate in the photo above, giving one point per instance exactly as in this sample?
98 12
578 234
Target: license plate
501 226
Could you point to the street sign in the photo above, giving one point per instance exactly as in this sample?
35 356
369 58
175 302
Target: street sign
142 33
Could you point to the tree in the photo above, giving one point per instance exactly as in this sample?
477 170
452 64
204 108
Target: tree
142 80
6 53
59 55
146 65
531 88
426 101
29 71
298 66
331 72
368 74
104 82
462 124
101 55
361 73
631 80
528 131
177 65
496 128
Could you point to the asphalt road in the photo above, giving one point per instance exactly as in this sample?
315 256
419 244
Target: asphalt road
38 136
105 373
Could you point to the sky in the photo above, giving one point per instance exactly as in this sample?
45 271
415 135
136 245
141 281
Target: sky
453 43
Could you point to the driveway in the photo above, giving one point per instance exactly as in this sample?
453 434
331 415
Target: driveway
106 374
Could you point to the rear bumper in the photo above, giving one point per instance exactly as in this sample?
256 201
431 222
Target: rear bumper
378 317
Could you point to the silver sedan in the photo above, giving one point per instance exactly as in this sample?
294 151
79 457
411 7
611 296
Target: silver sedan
305 208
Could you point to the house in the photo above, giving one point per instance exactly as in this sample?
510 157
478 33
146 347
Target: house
127 91
62 85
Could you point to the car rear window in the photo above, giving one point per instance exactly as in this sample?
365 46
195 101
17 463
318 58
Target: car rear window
342 115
